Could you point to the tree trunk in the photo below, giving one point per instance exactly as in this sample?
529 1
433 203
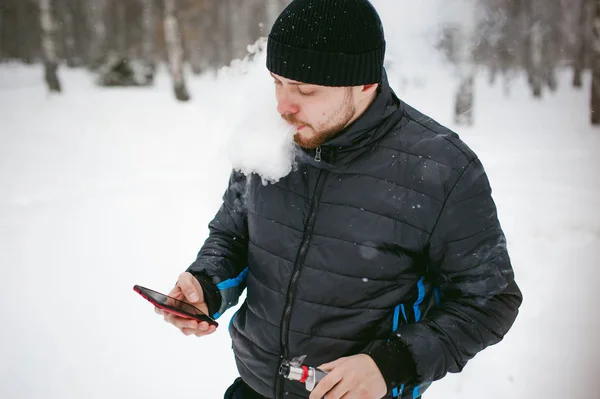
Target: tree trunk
98 47
536 41
149 36
464 37
554 41
49 46
582 45
595 100
175 50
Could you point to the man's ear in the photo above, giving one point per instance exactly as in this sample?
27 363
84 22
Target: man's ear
371 87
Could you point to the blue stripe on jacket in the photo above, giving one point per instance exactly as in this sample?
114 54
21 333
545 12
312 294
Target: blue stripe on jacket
416 308
233 282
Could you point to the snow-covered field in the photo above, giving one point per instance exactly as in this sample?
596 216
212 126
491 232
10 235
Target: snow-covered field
103 189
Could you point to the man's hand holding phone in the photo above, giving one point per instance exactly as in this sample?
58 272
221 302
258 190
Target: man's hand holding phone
188 289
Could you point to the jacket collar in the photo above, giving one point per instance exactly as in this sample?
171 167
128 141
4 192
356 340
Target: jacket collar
382 114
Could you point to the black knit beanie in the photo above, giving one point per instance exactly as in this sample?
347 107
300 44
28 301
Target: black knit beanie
328 43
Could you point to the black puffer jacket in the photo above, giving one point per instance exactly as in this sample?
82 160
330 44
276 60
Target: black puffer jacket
389 244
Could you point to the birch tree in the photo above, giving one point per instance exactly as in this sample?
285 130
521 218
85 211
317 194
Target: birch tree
464 42
175 50
552 41
595 98
48 26
533 48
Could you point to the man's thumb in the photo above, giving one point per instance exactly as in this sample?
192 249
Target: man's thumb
192 296
189 289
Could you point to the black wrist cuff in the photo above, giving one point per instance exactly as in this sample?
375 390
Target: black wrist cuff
212 295
395 362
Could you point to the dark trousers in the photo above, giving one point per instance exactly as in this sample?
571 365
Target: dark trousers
239 390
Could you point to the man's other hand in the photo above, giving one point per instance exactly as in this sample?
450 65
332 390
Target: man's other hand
354 377
188 289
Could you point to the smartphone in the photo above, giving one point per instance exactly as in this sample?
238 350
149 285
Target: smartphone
175 306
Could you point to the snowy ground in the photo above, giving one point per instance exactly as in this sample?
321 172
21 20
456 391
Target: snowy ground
104 189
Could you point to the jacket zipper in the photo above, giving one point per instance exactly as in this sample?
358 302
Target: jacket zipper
289 302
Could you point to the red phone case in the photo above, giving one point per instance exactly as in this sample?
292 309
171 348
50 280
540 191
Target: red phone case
200 318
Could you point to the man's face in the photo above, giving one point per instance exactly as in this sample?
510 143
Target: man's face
318 112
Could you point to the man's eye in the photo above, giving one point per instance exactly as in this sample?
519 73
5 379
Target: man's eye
306 93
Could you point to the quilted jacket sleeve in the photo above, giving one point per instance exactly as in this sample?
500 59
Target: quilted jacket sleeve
220 266
480 298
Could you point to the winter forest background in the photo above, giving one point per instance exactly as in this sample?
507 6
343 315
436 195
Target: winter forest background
120 121
126 40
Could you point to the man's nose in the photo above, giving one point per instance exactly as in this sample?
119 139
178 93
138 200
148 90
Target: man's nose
286 107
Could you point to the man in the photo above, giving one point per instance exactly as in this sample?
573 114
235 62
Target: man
380 257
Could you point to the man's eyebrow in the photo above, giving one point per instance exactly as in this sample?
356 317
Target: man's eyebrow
291 82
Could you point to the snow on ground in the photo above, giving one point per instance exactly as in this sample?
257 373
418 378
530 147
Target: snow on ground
102 189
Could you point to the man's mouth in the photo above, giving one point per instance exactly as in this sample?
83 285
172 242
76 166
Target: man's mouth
300 127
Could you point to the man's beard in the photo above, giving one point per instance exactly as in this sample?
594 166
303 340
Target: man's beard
326 131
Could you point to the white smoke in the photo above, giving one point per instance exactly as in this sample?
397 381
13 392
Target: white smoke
261 142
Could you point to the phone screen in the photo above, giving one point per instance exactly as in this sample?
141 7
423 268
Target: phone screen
180 308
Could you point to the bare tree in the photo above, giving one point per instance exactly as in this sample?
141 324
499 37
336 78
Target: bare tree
533 48
595 99
552 42
464 45
175 50
49 45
